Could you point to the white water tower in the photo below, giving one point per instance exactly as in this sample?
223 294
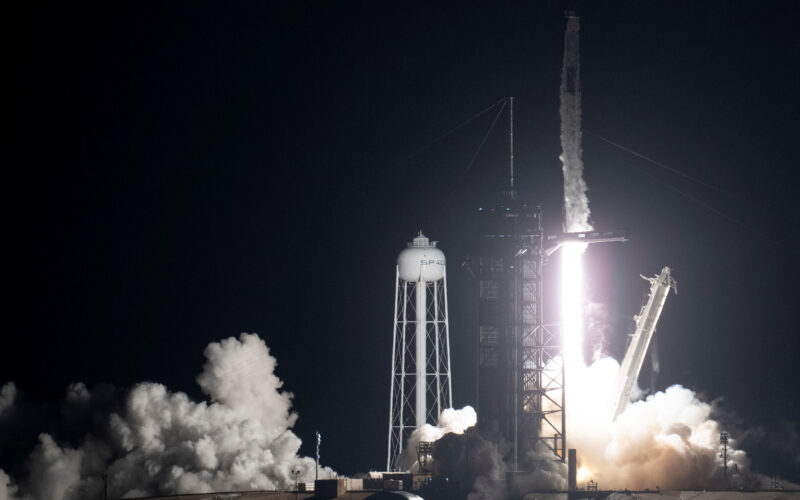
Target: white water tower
421 386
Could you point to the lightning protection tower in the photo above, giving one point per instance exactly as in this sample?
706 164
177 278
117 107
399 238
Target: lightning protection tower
421 386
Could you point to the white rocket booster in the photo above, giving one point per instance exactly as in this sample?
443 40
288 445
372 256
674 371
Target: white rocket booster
640 340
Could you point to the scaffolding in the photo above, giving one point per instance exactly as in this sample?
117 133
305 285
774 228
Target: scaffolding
520 373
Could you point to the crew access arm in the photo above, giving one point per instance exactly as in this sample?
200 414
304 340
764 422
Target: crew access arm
640 340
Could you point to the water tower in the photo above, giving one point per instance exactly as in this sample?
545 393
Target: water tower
421 386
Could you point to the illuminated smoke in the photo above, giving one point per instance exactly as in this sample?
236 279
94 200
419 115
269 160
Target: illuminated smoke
7 488
667 440
161 442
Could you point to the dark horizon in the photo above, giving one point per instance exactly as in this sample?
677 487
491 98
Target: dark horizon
182 173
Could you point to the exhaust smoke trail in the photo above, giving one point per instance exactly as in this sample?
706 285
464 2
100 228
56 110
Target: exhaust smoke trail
576 204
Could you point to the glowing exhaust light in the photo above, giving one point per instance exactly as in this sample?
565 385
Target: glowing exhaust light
572 302
583 473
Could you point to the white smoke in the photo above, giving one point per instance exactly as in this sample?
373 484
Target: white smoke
164 443
8 490
668 440
576 204
451 420
54 471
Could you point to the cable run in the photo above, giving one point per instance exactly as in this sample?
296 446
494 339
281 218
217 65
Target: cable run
654 162
707 206
474 156
451 131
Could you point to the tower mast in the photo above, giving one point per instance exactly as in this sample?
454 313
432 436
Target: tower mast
511 191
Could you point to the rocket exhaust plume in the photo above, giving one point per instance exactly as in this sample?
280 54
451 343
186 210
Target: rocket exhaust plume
668 440
576 204
161 442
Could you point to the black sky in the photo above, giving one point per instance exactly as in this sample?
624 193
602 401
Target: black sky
178 173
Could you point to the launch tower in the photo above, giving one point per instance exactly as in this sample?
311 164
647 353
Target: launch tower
521 370
520 391
421 386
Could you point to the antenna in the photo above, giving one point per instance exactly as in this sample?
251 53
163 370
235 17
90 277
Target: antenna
723 440
511 145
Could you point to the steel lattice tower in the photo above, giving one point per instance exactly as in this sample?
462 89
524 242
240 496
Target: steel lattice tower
520 374
421 386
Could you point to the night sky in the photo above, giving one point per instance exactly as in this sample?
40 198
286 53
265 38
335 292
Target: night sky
179 173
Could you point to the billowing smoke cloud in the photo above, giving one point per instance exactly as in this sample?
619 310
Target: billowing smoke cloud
668 440
476 461
451 421
54 471
160 442
461 453
7 488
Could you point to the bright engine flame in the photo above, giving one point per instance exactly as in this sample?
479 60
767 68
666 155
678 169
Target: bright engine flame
583 474
668 439
572 303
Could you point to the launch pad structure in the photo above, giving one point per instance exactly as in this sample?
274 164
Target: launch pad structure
521 393
521 373
646 322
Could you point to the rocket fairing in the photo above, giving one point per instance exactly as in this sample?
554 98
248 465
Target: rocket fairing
640 340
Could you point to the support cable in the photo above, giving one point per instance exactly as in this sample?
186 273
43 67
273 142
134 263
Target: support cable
474 157
662 165
685 194
434 141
